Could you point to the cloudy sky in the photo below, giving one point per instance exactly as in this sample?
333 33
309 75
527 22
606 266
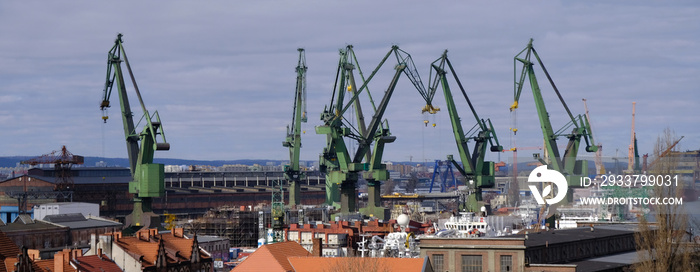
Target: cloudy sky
221 73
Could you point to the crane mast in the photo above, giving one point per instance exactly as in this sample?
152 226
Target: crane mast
565 163
474 169
147 177
343 170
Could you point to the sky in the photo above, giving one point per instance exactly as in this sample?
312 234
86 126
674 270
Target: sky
221 74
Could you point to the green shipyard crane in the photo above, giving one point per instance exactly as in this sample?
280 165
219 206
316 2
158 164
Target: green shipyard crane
478 173
147 177
565 163
341 168
292 172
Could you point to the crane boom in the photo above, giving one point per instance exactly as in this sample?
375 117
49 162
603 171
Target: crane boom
663 154
62 162
147 177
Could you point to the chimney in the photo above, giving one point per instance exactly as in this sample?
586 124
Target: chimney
93 242
105 244
144 235
58 261
33 254
99 253
77 253
317 249
66 255
178 232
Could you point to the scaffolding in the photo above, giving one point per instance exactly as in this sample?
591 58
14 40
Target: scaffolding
241 225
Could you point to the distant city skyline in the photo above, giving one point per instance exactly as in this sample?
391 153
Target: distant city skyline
221 74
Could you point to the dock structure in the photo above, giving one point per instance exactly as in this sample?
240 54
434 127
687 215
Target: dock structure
190 194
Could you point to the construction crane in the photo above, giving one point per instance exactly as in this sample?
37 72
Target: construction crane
514 186
147 177
336 162
62 161
63 186
474 168
565 163
633 154
663 154
599 167
292 171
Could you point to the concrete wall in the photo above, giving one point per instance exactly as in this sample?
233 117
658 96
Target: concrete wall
124 260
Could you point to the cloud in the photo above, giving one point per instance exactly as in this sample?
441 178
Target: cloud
221 74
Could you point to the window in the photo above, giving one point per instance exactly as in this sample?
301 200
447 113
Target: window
471 263
438 262
506 263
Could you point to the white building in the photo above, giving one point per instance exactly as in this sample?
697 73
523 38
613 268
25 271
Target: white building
87 209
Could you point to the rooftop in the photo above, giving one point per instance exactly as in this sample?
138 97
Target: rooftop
9 253
148 246
273 257
208 238
616 261
78 221
97 264
551 237
321 264
24 223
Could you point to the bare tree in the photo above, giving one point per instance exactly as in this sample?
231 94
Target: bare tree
664 245
388 186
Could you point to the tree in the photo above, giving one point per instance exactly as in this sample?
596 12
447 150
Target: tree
664 245
388 186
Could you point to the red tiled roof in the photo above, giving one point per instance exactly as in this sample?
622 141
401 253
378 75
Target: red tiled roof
272 257
48 265
320 264
94 263
8 264
177 249
8 250
7 247
9 254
